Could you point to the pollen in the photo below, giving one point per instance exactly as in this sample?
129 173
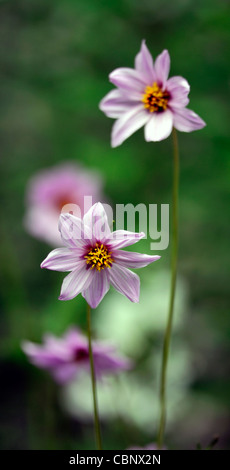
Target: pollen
155 99
99 257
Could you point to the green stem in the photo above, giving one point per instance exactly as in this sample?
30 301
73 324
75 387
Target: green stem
168 330
93 380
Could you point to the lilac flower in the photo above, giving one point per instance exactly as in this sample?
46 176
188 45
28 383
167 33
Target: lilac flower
146 97
49 190
65 357
93 256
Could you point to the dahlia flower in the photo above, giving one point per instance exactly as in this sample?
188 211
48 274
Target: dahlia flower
145 96
49 190
65 357
95 260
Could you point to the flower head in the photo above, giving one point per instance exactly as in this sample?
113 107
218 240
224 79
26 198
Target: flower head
49 190
145 96
65 357
95 260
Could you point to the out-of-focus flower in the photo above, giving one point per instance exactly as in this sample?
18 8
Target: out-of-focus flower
94 258
49 190
65 357
148 447
146 97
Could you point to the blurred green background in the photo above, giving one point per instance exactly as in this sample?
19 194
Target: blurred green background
55 60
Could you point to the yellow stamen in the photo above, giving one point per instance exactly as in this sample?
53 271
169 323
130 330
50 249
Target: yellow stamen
99 257
155 99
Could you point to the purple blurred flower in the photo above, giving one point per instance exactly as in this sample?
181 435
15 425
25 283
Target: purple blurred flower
146 97
49 190
65 357
94 258
148 447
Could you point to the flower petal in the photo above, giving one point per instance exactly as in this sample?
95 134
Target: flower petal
74 232
186 120
162 66
96 219
144 64
178 82
56 346
76 281
97 289
178 89
41 357
65 373
114 104
129 259
73 337
122 238
42 223
105 361
128 123
128 79
125 281
159 127
62 259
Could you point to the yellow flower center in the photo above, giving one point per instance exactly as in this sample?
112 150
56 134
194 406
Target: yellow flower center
155 99
99 257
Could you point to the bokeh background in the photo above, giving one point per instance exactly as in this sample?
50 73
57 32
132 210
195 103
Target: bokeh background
55 60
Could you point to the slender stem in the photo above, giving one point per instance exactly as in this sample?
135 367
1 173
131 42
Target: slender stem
93 380
168 330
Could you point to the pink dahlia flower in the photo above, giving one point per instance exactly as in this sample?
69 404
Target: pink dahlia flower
95 260
145 96
49 190
65 357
